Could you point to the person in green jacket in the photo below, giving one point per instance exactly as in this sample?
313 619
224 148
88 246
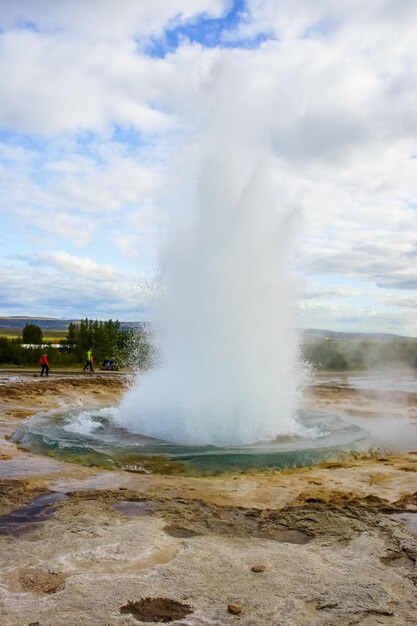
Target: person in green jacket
90 360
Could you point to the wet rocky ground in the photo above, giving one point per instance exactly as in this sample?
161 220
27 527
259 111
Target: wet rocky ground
332 545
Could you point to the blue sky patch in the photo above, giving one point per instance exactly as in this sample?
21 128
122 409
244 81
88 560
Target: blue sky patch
207 31
22 140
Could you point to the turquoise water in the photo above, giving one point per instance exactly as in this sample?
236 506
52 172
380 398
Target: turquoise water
93 437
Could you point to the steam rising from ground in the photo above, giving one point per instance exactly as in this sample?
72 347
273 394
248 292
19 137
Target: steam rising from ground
224 322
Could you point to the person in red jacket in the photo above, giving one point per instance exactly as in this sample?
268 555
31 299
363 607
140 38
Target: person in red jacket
43 362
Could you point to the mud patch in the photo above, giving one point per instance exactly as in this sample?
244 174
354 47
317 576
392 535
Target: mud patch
160 610
180 532
137 508
35 580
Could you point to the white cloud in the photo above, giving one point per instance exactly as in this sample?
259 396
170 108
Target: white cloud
55 85
59 284
78 198
45 223
81 266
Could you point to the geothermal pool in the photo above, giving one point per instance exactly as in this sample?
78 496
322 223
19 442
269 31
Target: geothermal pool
94 437
362 413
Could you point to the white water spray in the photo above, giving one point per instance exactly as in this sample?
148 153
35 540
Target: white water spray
224 322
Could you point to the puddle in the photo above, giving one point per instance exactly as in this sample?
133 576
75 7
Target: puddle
28 517
134 508
156 610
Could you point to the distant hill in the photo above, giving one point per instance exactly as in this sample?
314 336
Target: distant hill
17 322
46 323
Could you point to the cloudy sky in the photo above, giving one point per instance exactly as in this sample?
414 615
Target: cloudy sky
99 100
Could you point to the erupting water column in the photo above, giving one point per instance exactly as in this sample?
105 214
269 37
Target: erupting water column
229 373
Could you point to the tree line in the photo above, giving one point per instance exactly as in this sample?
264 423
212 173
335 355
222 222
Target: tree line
106 339
132 348
366 354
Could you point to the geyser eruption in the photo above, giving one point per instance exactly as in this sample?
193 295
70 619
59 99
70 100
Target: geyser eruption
224 322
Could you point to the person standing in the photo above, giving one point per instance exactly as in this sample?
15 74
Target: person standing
43 362
90 360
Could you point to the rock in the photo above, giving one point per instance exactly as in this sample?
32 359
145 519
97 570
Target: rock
233 609
258 568
156 610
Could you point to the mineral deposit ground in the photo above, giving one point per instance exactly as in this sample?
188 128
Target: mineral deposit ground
331 545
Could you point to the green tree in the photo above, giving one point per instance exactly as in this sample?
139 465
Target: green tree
72 336
32 333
